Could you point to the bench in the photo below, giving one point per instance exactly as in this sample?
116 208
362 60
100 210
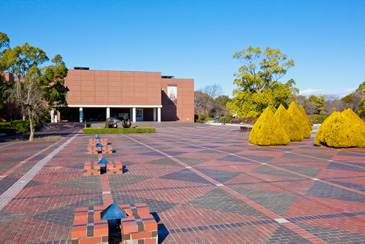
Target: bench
245 129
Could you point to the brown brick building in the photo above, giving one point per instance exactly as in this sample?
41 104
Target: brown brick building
141 96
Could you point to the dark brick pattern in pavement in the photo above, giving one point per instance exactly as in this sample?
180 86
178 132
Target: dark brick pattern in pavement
318 190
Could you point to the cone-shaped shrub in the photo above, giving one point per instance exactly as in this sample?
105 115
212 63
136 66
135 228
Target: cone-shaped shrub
267 131
354 117
340 131
298 117
288 123
301 109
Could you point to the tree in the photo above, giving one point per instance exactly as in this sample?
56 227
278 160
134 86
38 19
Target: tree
220 105
332 103
28 95
354 100
19 59
212 90
203 103
361 111
4 43
34 88
53 82
318 103
258 82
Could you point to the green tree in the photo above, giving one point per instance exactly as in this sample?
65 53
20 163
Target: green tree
53 82
19 59
361 111
258 83
4 43
220 105
203 103
318 103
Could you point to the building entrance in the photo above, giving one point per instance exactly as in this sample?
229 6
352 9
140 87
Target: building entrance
139 114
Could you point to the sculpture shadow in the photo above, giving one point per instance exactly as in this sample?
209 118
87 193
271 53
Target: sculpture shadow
162 233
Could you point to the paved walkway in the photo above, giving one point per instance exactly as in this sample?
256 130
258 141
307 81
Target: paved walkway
204 185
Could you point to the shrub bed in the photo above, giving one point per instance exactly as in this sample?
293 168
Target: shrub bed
19 125
118 130
317 118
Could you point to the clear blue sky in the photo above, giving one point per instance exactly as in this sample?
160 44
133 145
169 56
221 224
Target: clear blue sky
196 39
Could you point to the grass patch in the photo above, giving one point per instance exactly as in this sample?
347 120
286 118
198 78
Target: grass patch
118 130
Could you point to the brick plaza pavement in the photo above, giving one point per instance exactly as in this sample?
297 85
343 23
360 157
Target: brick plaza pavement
203 185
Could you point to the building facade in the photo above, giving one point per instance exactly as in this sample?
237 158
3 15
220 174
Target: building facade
94 95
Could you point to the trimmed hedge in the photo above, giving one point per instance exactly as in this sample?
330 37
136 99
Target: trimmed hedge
19 125
298 117
288 123
118 130
301 109
351 115
338 130
267 131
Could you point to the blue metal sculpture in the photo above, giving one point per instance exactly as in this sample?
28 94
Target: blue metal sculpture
112 212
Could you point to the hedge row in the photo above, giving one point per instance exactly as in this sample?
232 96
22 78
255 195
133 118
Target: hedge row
342 129
282 128
118 130
19 125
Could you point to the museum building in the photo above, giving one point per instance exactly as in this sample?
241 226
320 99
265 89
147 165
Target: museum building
94 95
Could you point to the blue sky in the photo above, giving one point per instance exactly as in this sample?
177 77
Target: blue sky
196 39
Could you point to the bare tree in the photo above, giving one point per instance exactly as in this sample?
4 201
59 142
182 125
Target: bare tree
29 96
333 103
212 90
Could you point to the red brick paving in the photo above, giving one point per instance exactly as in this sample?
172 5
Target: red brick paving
176 172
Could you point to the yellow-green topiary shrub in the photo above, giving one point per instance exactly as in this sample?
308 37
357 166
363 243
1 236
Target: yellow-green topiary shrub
340 131
301 109
288 123
354 117
267 131
298 117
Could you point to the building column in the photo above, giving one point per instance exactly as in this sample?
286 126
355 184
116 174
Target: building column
58 116
158 114
134 114
52 116
107 113
81 116
154 114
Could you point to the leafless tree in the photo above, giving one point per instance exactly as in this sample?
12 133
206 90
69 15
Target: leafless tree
333 103
29 96
212 90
